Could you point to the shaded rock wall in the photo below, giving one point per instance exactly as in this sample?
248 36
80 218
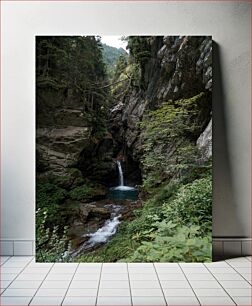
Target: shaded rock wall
62 132
179 67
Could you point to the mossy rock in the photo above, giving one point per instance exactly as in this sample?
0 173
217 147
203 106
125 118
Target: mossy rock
73 178
88 192
99 212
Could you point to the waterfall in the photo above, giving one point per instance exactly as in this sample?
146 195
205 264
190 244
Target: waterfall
122 192
120 173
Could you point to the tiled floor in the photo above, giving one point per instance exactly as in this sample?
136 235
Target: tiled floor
24 282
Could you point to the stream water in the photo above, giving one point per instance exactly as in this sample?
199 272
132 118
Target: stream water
109 228
103 234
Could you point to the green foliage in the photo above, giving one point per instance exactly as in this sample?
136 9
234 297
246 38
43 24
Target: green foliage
192 205
114 58
169 136
50 245
139 47
120 66
140 53
63 58
174 119
188 236
56 209
151 210
127 77
51 239
81 193
174 243
49 198
74 65
52 217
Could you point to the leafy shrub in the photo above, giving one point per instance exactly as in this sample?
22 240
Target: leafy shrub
151 212
182 231
49 198
51 220
169 136
50 245
174 243
192 205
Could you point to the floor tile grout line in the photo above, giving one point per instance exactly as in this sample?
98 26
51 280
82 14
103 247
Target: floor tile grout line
220 284
240 273
128 277
70 283
41 283
228 260
0 277
189 284
160 284
247 259
16 276
131 298
9 257
97 292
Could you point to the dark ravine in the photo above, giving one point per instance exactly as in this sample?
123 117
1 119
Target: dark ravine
70 154
64 140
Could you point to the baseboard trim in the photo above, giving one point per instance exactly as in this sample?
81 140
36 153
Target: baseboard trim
222 247
17 247
229 247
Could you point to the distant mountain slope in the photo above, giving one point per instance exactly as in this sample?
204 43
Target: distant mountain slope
111 54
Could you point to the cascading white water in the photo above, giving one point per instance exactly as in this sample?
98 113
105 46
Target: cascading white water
120 173
103 234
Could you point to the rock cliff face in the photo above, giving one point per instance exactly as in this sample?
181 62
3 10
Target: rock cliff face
64 139
178 67
61 133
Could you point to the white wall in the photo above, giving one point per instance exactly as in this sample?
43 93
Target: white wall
227 22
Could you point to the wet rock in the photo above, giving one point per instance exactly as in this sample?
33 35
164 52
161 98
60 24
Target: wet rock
98 212
79 213
204 142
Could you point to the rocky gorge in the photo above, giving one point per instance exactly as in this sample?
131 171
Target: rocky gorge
154 116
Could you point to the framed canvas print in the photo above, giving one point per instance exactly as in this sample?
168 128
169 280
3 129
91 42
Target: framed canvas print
123 148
